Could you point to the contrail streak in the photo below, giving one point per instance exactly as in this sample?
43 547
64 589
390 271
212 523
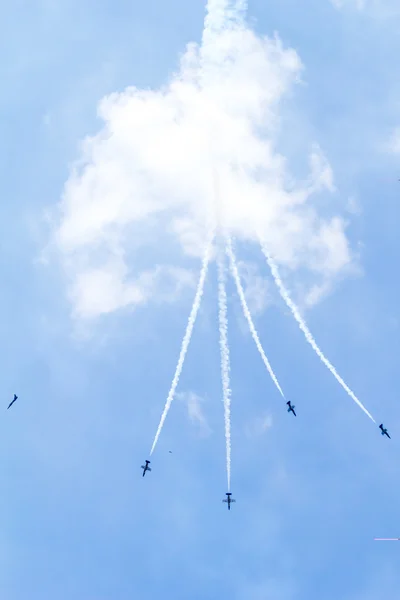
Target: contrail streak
246 311
225 365
303 326
186 338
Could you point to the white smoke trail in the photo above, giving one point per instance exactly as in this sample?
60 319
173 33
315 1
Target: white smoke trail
246 311
186 338
225 363
303 326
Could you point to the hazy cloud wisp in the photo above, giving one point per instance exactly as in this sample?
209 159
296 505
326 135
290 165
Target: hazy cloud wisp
150 169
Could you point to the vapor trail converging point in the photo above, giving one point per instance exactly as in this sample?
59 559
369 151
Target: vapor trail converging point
303 326
225 363
186 338
246 311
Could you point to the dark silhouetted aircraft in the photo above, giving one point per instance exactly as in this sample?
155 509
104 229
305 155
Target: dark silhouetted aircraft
145 467
291 408
384 431
228 500
11 403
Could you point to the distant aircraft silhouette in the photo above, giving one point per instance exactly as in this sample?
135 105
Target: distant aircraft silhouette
291 408
12 402
384 431
228 500
145 467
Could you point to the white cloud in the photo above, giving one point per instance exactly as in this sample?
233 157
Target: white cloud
358 4
353 206
256 287
105 289
195 411
259 425
377 9
394 142
316 293
146 179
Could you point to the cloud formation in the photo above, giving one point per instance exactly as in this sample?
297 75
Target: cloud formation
377 9
394 143
256 287
142 189
195 411
259 425
359 4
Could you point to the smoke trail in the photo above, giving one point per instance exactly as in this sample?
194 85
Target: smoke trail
225 364
186 338
295 312
246 311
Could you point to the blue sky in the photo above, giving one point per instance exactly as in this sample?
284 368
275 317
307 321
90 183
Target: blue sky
92 328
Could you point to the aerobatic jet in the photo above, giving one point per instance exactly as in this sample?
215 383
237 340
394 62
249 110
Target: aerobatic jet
145 467
228 500
384 431
291 408
12 402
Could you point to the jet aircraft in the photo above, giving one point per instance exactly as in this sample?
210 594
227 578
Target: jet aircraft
145 467
12 402
384 431
229 499
291 408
